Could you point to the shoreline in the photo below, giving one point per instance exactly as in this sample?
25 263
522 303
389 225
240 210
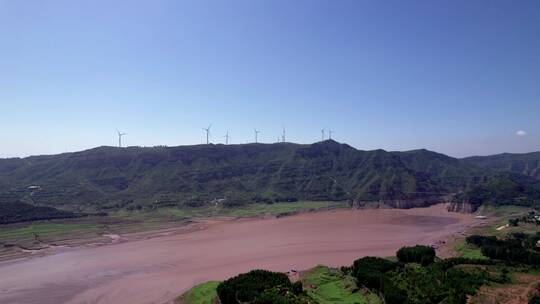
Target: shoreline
164 264
441 245
188 226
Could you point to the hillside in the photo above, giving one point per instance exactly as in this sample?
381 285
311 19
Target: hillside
15 212
527 163
107 178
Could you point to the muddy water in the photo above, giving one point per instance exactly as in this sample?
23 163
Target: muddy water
158 269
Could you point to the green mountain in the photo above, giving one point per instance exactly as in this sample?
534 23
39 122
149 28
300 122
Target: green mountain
107 178
527 163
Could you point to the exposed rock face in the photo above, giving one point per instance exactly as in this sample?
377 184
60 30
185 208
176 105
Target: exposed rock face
463 207
399 204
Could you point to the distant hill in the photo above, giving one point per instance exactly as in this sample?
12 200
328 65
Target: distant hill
107 178
14 212
527 163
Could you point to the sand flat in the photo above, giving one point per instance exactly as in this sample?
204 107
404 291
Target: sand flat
156 270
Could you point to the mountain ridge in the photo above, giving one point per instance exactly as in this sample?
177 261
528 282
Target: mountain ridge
105 177
523 163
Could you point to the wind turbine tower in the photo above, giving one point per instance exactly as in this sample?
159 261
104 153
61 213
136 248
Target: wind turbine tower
322 133
330 134
227 136
207 130
120 134
283 135
256 135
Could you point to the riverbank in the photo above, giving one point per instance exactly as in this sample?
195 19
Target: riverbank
39 238
159 268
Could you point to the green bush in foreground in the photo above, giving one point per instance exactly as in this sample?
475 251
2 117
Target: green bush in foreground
516 248
417 278
369 270
429 282
256 286
420 254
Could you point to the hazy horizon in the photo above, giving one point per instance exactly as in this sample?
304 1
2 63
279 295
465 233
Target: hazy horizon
459 78
263 143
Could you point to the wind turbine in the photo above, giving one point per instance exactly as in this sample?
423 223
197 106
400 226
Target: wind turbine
330 134
322 133
256 134
120 134
207 130
227 136
283 135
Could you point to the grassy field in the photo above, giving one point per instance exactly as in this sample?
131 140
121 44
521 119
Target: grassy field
46 230
201 294
251 210
281 208
326 285
468 251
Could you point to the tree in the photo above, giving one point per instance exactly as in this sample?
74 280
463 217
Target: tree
421 254
250 286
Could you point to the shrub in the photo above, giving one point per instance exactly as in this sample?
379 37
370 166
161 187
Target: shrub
535 299
513 222
249 286
297 288
446 264
480 240
424 255
369 271
15 212
392 293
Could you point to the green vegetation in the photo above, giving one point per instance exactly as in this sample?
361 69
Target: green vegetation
260 287
417 277
81 230
502 189
531 217
527 163
420 254
15 212
252 210
369 271
326 285
469 251
517 247
281 208
201 294
436 281
108 179
46 231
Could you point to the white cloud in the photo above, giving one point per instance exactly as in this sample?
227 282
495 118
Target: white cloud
521 133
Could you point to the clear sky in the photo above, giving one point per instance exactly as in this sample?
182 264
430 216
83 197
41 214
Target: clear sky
457 77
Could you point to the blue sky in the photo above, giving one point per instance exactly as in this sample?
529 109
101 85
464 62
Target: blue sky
458 77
